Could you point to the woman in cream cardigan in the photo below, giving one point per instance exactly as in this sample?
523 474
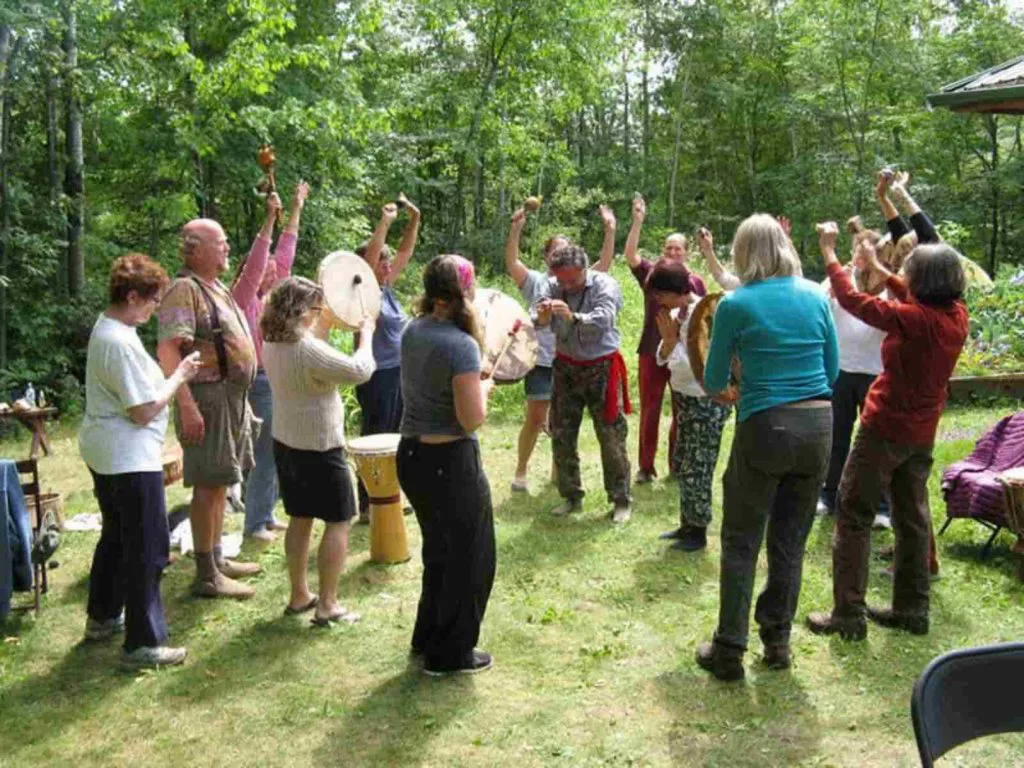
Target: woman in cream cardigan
309 435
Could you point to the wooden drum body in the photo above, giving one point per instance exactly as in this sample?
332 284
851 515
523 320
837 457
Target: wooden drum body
698 340
374 456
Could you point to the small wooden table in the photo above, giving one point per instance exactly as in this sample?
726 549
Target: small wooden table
34 420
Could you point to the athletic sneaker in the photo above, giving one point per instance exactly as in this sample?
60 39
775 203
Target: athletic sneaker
643 477
158 656
478 662
621 513
882 523
103 629
567 508
823 509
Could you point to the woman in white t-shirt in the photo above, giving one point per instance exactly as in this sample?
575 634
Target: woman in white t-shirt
700 419
121 440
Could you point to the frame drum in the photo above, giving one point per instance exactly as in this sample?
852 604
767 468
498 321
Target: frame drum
374 456
497 314
350 288
698 340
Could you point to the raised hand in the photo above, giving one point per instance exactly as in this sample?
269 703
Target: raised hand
639 209
273 205
388 213
410 206
607 216
828 233
301 193
885 177
705 240
785 223
519 220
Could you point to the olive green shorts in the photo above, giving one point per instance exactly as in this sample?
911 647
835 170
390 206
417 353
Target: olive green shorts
230 428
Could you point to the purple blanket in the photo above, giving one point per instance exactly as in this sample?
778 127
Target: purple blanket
971 487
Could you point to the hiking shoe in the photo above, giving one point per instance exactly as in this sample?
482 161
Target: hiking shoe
233 569
103 629
567 507
157 656
479 661
823 509
222 586
644 476
882 523
724 663
263 536
776 657
621 513
693 539
672 535
915 624
846 628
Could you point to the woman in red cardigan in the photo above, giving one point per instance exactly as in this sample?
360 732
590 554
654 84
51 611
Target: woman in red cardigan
926 326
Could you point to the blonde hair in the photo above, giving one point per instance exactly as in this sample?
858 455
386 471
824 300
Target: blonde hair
678 236
288 304
761 249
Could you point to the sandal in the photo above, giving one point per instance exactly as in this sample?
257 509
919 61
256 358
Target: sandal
343 615
290 611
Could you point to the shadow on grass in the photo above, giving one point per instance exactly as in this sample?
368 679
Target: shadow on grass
392 723
765 721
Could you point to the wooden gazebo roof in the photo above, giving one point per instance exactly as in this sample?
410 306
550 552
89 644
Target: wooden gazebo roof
999 90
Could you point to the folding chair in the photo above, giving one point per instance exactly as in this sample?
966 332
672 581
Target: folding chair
965 694
30 488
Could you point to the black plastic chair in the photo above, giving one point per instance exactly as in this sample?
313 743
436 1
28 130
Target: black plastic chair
965 694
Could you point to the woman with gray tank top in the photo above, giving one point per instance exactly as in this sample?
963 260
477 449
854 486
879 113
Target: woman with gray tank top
441 472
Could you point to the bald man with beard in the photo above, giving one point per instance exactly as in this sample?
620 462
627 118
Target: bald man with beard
213 420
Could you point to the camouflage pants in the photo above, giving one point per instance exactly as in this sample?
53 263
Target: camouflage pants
576 387
698 438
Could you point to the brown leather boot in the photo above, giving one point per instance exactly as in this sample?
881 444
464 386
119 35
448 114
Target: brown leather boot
234 569
846 628
776 656
721 661
887 617
221 586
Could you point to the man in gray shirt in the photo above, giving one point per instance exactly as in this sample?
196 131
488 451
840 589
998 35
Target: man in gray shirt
582 308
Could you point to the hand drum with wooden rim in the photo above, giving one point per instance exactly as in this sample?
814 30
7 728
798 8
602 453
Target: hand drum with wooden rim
350 288
698 340
514 349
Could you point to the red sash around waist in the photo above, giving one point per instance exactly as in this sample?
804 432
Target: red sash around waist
618 380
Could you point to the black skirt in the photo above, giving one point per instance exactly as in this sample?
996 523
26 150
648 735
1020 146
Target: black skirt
315 484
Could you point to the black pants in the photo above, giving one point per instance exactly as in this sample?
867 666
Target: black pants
131 556
380 400
848 395
452 499
777 463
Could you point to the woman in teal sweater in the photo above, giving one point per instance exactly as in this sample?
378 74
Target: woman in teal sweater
780 327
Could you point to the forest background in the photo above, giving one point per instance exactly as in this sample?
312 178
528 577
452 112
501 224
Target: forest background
122 119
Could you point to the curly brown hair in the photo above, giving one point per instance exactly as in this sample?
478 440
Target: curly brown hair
288 303
136 272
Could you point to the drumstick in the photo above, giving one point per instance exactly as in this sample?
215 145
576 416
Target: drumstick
358 280
504 348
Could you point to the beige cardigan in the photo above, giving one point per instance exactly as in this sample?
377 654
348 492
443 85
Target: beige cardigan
304 378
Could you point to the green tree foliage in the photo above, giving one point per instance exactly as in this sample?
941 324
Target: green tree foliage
711 108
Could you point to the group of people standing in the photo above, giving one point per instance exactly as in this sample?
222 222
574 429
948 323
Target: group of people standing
258 351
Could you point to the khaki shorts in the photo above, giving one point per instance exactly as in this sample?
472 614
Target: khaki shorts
230 430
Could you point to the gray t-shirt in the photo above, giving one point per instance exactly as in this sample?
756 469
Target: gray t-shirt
433 351
534 289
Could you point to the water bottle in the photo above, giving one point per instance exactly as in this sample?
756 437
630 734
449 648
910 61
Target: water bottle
30 395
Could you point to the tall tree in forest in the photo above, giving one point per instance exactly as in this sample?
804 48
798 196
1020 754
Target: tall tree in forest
74 177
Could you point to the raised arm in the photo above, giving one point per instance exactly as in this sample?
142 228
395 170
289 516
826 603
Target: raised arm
632 248
380 235
882 196
298 203
247 285
408 244
515 268
608 247
923 226
725 278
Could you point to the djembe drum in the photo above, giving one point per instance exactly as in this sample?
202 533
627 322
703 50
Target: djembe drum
374 456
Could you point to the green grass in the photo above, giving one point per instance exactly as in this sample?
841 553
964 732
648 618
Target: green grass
592 627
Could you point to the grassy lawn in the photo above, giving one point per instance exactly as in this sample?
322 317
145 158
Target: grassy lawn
592 628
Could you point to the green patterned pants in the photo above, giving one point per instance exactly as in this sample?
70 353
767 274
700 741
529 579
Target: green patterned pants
698 437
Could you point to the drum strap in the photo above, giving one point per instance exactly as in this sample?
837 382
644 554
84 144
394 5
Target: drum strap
382 500
218 331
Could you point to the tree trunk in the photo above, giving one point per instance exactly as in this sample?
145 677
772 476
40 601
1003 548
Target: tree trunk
625 111
51 86
8 50
646 100
74 177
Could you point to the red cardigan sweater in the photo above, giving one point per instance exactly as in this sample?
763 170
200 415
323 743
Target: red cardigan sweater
918 356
